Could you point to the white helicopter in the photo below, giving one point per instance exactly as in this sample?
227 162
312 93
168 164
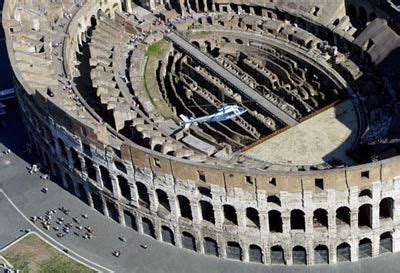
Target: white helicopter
224 112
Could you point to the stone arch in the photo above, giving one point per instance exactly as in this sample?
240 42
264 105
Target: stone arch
130 220
82 193
365 216
207 211
230 215
351 11
105 177
365 192
63 148
196 44
255 254
364 248
362 15
321 254
204 191
239 41
274 199
163 202
320 218
343 216
385 243
297 219
124 187
120 166
275 221
75 159
211 247
112 211
233 251
188 241
148 227
252 218
167 235
143 195
97 202
277 255
90 169
386 208
70 183
343 253
299 255
184 207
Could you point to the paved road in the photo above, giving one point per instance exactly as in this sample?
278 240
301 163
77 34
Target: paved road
24 191
231 79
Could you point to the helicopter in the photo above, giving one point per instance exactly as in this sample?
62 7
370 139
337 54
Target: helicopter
224 112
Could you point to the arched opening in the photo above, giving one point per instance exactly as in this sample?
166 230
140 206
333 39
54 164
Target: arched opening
163 202
299 255
148 227
365 193
275 221
120 166
57 175
233 251
76 160
207 211
112 211
188 241
63 150
239 41
210 247
336 22
196 44
321 254
362 15
343 253
124 187
252 218
320 218
351 11
105 177
97 202
230 215
167 235
91 171
70 183
274 199
343 216
385 243
130 220
365 216
93 22
255 254
386 208
82 193
297 221
277 255
365 248
143 195
204 191
184 206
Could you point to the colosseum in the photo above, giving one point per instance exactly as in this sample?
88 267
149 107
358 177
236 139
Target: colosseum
308 174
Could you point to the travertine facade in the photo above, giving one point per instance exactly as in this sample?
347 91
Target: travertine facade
101 106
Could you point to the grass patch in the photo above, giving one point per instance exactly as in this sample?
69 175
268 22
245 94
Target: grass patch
31 254
155 53
157 49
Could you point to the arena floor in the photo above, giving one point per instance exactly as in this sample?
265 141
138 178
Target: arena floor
320 139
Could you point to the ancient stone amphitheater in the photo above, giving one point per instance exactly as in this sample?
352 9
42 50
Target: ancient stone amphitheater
308 175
